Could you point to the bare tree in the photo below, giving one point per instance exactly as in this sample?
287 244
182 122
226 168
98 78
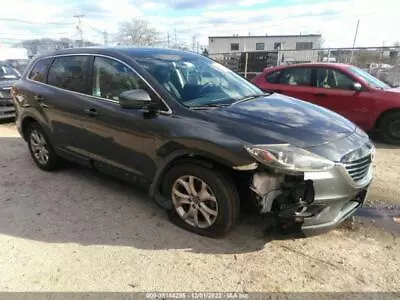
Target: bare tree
37 46
136 33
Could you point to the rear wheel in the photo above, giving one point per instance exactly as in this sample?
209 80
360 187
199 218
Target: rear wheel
40 148
203 201
389 128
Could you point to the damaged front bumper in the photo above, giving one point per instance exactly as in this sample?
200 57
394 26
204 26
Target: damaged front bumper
316 201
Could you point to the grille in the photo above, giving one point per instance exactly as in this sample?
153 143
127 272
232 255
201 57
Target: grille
7 92
359 168
6 102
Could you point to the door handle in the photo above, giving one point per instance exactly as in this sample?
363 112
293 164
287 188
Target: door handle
320 94
91 112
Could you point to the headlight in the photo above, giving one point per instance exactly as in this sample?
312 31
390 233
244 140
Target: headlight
4 94
287 158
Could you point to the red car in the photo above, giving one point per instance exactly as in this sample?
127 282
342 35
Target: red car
345 89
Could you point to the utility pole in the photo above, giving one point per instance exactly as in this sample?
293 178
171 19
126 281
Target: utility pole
354 41
105 35
194 43
168 39
79 26
176 40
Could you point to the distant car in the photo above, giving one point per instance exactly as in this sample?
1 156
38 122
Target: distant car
18 64
8 76
345 89
203 139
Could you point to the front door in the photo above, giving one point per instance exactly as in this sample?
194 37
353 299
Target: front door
119 140
334 90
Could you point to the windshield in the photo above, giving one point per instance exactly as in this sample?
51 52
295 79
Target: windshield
8 72
18 64
371 80
198 81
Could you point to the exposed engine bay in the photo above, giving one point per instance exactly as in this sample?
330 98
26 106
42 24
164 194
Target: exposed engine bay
285 199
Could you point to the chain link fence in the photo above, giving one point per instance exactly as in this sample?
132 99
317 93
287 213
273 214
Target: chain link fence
382 62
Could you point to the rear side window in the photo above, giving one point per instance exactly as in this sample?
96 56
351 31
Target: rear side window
70 73
296 76
38 72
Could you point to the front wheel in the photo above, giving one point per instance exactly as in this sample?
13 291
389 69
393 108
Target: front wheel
204 201
389 128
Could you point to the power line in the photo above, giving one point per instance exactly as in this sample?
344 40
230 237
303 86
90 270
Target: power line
35 23
30 35
93 28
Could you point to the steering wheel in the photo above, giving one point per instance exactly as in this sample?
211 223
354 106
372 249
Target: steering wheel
204 87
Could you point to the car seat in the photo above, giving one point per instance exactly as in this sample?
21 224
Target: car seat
75 79
163 75
323 81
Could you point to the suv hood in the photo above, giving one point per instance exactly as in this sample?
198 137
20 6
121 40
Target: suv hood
281 119
7 83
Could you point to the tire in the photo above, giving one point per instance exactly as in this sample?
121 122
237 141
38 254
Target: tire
41 150
219 188
389 128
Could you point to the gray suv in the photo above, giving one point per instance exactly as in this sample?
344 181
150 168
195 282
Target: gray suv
203 140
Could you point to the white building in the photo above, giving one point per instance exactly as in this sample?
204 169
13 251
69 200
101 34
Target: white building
230 44
290 48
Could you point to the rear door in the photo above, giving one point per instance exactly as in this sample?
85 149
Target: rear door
334 90
294 81
64 99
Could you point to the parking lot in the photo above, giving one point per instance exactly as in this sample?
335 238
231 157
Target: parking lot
75 230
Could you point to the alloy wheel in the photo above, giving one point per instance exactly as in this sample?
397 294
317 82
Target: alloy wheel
39 147
194 201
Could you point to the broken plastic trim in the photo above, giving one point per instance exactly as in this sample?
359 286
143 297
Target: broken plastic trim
293 205
295 199
267 187
288 199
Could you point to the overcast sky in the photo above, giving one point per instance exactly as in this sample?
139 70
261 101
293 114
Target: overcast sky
335 20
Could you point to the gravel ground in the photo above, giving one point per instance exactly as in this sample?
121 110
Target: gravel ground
75 230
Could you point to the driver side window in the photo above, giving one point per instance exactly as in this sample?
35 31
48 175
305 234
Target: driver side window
333 79
111 78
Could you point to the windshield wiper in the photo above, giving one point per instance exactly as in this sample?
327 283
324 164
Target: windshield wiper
209 105
247 98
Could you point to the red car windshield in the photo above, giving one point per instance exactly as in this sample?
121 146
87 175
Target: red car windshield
8 72
371 80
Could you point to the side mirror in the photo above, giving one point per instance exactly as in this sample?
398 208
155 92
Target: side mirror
134 99
357 87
